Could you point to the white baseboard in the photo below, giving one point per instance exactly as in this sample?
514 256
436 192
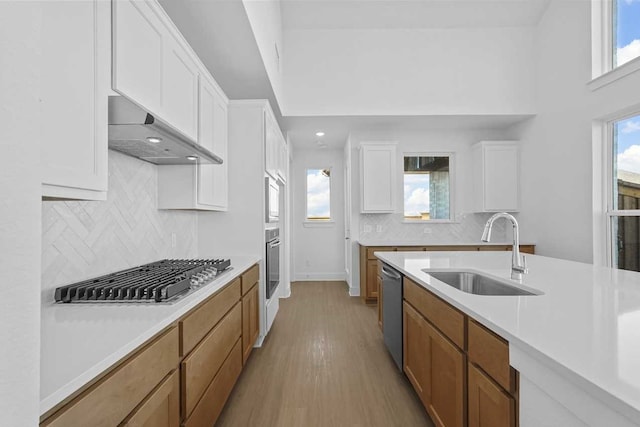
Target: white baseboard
354 292
308 277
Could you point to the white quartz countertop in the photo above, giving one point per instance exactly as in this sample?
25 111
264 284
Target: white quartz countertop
425 242
586 325
80 341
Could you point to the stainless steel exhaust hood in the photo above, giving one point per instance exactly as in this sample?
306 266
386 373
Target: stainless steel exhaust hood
137 133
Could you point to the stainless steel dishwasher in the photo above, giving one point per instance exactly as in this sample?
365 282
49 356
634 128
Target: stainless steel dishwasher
392 312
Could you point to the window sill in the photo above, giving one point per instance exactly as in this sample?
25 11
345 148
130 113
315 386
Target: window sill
429 221
615 74
319 223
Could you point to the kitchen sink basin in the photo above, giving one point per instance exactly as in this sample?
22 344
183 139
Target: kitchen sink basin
476 283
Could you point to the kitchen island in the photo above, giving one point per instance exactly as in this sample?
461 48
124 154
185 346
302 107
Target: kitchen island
576 346
82 343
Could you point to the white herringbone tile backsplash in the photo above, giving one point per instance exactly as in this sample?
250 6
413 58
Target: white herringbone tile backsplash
467 228
83 239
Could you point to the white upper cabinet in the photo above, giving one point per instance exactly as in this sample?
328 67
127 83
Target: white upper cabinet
201 187
212 179
274 144
180 89
75 82
377 177
496 176
283 159
153 65
138 47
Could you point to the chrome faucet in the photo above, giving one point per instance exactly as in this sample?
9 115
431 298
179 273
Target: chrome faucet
518 262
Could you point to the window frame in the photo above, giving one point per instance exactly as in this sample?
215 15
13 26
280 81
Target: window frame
317 221
609 184
452 186
603 70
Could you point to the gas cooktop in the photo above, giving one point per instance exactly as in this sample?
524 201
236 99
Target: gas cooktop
155 282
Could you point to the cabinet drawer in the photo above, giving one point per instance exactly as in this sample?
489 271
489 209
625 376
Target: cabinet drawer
111 399
371 250
161 408
443 316
209 408
250 278
200 321
491 353
199 368
488 404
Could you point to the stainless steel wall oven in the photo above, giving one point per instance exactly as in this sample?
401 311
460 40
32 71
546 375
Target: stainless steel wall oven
272 260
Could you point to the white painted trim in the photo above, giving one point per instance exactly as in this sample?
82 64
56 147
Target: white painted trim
312 277
617 73
354 291
318 223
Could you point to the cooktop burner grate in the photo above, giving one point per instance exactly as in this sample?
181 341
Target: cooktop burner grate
158 281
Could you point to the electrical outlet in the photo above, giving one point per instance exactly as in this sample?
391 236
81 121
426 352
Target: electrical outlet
378 229
174 240
426 230
367 229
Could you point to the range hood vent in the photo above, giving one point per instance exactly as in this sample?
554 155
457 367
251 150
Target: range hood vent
137 133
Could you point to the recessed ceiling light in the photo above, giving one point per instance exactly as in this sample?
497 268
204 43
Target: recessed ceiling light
319 133
154 139
192 157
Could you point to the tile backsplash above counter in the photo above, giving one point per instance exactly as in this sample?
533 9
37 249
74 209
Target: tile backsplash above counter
394 229
82 239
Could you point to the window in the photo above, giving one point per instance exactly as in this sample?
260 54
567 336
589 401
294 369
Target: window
624 205
625 31
426 187
319 194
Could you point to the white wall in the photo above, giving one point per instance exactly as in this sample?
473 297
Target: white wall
266 23
318 251
19 213
409 72
468 226
557 144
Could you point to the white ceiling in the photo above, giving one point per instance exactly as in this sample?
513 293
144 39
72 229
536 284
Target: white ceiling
302 130
410 14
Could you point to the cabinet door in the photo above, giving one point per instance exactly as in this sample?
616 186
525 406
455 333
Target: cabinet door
377 177
138 48
372 275
75 80
212 180
179 88
444 390
161 408
271 146
250 322
489 405
501 178
416 350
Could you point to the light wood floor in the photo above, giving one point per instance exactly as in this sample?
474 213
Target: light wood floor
323 364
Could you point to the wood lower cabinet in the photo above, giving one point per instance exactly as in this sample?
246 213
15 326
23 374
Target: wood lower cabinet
369 262
446 380
436 369
489 404
458 368
114 397
415 341
161 408
250 321
182 376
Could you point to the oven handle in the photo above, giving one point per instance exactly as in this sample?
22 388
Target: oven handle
274 244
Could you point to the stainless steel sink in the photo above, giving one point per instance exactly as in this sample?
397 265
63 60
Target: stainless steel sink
475 283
